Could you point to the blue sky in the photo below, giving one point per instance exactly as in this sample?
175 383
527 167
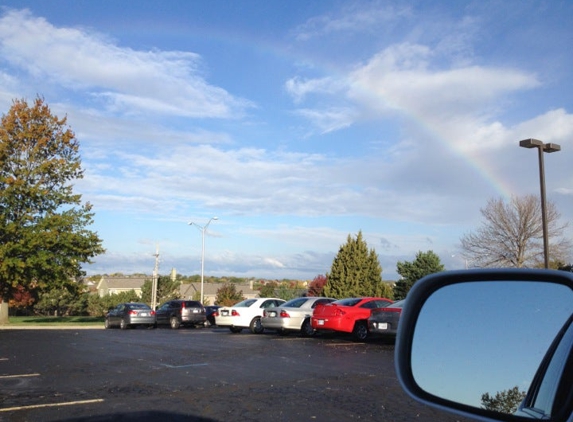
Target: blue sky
296 123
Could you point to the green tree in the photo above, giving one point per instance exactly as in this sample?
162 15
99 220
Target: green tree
167 289
355 272
268 289
44 236
506 401
98 306
424 264
228 295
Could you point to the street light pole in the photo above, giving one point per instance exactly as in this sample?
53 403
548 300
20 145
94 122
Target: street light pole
541 148
202 229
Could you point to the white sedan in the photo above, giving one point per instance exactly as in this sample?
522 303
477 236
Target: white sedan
293 315
245 314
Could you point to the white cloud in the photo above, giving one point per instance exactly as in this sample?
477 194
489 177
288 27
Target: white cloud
126 80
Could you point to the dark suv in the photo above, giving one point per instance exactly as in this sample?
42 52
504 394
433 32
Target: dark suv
181 312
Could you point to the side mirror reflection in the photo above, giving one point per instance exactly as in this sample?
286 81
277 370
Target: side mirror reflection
479 342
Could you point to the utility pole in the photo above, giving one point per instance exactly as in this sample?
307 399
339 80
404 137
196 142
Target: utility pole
155 275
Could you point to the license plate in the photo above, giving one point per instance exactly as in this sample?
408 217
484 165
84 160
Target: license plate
272 314
195 311
320 322
382 325
144 314
225 313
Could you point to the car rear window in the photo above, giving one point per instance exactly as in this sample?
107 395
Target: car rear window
245 303
348 302
192 304
138 306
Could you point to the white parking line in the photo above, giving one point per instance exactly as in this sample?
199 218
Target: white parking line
19 376
38 406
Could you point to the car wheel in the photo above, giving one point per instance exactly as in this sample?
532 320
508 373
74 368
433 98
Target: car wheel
107 325
256 326
360 331
123 324
235 329
306 330
174 322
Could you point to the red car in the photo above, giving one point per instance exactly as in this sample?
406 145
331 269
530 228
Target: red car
347 315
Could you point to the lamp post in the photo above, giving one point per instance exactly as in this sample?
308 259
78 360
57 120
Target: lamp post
541 148
203 228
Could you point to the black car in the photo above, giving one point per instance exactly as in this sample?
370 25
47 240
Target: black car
129 315
181 312
210 311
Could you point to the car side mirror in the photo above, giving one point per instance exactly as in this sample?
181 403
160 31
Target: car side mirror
490 344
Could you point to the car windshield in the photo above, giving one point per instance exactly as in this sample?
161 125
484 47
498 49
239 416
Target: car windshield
245 303
348 302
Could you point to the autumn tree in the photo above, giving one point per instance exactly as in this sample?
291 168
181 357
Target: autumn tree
228 295
506 401
355 272
316 286
268 289
167 289
425 263
44 236
511 235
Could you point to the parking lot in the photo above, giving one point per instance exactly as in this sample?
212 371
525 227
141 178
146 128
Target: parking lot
202 374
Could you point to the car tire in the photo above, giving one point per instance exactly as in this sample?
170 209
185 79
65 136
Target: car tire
174 322
306 330
360 331
235 330
123 324
256 326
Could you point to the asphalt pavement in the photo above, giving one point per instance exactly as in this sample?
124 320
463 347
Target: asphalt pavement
202 374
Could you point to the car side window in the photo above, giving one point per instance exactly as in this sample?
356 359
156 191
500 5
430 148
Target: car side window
268 304
547 391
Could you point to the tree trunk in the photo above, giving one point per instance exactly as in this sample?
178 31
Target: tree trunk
3 312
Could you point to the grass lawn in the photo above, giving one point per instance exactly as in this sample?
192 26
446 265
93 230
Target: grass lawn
53 320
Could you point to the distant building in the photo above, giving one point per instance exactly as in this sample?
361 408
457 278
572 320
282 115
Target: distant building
193 291
115 285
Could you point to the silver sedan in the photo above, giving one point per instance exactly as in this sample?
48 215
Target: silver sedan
293 316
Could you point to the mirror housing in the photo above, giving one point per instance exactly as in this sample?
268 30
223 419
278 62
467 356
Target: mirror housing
449 324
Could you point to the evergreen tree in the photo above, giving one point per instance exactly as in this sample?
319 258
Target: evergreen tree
44 236
355 272
506 401
424 264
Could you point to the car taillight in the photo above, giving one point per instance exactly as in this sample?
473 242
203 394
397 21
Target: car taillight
284 314
234 313
152 313
132 312
339 312
215 314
